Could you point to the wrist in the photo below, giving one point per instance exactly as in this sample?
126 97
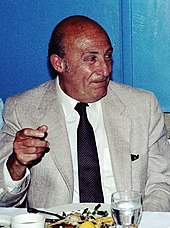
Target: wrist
15 168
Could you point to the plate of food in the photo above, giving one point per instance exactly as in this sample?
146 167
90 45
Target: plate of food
82 216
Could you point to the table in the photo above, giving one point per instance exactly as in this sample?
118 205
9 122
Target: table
155 220
149 219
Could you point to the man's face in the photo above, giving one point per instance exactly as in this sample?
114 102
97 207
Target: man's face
87 66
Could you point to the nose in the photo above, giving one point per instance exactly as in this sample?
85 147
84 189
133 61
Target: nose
106 73
105 68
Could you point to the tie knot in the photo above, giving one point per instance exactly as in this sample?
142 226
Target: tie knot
81 108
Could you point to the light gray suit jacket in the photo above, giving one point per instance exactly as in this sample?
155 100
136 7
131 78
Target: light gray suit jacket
134 126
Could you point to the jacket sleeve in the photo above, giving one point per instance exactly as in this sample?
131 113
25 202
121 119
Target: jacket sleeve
157 192
7 135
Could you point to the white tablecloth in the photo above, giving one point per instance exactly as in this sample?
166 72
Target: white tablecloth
149 219
155 220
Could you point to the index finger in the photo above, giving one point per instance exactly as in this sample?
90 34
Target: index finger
30 132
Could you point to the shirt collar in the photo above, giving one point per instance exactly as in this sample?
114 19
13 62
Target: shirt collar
69 103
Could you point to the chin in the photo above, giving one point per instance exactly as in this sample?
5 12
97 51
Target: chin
98 97
93 95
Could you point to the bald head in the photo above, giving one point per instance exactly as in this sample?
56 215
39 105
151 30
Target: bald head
70 29
76 25
80 52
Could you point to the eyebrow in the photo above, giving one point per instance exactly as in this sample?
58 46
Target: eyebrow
95 52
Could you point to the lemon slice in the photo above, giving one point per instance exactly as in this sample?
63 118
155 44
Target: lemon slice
87 224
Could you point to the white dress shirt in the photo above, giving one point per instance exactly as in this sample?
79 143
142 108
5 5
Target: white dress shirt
15 186
95 116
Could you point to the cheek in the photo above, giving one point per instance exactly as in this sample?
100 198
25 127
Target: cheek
80 75
81 83
83 73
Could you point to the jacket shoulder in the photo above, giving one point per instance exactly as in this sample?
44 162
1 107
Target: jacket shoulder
32 96
127 92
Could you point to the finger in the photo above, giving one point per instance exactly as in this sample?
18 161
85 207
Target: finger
29 132
42 128
26 159
33 142
30 154
30 150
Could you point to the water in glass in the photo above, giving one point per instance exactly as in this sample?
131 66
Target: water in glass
126 208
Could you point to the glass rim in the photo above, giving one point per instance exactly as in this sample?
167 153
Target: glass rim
138 194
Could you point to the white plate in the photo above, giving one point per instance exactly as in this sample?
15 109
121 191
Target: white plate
5 220
68 208
78 206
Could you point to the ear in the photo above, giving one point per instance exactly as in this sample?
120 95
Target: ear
57 62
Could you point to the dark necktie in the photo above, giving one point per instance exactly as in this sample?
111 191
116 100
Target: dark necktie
90 187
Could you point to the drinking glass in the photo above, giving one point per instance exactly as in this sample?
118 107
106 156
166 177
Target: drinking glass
126 208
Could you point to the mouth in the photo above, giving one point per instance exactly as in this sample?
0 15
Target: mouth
100 81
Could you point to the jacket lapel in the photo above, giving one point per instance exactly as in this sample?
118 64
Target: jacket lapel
117 125
51 114
118 129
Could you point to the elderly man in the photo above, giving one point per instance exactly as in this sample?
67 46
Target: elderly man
39 144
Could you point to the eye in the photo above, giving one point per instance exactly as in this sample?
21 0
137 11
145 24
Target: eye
90 59
108 56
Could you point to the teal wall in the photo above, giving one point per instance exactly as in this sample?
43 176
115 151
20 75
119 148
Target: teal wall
139 31
146 47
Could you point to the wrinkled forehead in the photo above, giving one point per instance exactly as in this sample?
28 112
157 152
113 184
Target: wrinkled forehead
86 35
